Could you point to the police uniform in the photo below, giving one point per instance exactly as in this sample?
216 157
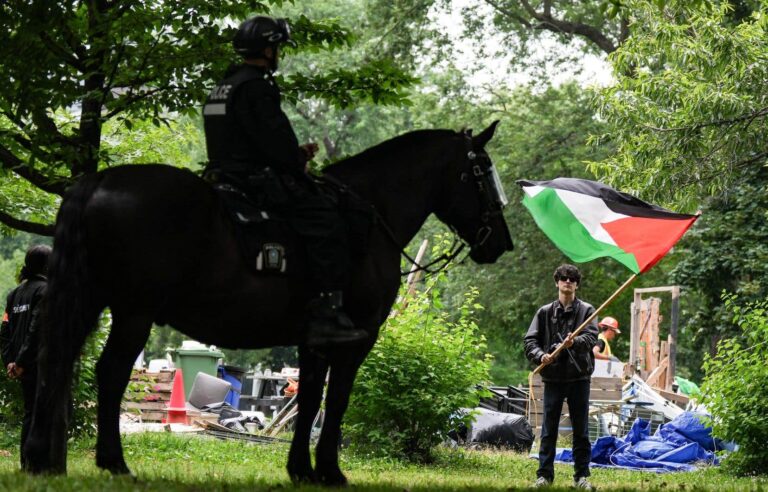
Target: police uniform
246 132
19 340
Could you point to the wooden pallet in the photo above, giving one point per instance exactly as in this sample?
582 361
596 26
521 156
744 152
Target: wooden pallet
148 395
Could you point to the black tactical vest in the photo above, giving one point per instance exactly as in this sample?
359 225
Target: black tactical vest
230 149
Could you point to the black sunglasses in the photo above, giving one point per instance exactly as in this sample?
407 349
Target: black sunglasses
572 280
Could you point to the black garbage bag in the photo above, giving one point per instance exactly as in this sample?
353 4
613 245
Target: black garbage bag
501 429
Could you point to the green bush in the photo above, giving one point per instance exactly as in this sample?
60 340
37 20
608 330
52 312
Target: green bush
422 370
11 401
84 388
735 390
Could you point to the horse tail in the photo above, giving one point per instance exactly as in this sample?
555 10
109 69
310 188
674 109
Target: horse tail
69 315
71 312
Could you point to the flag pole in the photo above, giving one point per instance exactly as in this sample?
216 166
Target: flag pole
588 320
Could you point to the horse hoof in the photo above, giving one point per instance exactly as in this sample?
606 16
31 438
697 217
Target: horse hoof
303 477
117 469
333 479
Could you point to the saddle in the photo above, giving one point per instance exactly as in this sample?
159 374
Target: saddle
267 241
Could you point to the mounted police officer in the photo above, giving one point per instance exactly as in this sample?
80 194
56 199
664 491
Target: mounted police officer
252 145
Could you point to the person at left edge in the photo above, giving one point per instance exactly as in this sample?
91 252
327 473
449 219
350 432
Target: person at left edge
19 331
251 144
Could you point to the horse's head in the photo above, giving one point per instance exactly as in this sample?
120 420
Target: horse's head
474 198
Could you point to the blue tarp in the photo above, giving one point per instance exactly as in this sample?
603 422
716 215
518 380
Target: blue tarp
675 446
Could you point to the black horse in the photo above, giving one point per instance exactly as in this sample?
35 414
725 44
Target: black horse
152 243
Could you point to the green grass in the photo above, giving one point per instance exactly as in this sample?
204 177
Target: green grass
169 463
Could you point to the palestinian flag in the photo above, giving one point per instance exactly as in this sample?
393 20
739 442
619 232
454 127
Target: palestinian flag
589 220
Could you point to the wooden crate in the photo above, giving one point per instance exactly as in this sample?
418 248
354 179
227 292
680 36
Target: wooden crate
601 390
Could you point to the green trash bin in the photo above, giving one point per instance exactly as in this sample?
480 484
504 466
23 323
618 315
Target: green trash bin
193 357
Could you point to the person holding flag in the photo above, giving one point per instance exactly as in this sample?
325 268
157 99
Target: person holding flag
588 220
565 378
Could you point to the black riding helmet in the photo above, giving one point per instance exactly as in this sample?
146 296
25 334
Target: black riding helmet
260 32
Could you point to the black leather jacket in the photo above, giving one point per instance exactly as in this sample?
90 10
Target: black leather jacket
549 327
18 335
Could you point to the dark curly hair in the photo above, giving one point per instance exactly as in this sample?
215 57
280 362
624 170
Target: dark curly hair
36 261
566 270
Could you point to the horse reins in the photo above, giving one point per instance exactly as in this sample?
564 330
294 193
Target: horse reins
458 244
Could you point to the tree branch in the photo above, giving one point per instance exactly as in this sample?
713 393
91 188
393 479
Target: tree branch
26 226
65 55
547 22
9 161
624 30
522 20
126 101
729 121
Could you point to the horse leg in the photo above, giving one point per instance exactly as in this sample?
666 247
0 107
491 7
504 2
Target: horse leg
127 338
312 371
340 384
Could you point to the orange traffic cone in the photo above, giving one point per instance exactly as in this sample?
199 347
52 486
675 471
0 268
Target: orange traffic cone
177 410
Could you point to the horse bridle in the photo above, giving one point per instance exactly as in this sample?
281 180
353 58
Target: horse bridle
493 202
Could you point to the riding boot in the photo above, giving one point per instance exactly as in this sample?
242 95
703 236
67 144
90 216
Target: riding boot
329 325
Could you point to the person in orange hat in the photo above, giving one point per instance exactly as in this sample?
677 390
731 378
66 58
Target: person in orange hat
609 328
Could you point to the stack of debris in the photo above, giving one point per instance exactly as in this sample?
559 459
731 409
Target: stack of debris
507 399
155 401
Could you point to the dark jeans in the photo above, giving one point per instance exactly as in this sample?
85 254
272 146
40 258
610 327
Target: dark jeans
28 389
577 395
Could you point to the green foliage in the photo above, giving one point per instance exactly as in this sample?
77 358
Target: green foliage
734 390
179 142
688 113
378 81
9 272
74 67
11 401
726 251
422 370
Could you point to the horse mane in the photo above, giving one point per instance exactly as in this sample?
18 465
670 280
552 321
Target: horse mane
388 147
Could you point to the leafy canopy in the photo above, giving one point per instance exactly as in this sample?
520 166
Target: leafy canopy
689 114
726 251
73 66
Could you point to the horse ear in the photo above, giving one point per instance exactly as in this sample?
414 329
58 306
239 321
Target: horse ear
479 141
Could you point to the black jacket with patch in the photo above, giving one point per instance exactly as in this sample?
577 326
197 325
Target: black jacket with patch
19 333
549 327
245 128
